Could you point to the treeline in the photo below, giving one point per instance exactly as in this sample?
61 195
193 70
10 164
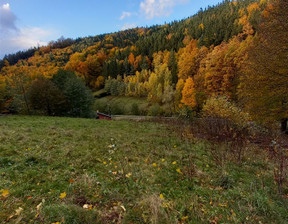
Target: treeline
64 94
12 59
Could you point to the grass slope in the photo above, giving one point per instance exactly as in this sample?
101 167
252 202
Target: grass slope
71 170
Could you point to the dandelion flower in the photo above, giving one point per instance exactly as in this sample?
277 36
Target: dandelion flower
62 195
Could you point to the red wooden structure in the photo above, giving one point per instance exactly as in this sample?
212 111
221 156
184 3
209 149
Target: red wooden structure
102 116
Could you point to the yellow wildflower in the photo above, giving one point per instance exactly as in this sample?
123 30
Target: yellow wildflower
62 195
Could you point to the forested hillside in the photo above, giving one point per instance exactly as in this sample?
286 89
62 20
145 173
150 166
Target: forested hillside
236 50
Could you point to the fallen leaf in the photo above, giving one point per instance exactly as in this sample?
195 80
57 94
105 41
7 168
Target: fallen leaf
71 181
18 211
185 218
4 192
86 206
146 160
39 206
128 175
124 209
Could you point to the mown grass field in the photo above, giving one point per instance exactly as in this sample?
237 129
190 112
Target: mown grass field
68 170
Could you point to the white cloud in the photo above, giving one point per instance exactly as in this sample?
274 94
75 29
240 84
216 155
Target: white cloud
31 36
158 8
6 7
13 38
7 19
24 38
127 26
125 14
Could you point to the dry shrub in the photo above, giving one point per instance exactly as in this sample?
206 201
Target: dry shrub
152 210
114 215
226 126
190 170
221 107
279 156
281 168
227 140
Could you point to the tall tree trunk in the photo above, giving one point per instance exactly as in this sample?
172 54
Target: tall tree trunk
284 125
25 98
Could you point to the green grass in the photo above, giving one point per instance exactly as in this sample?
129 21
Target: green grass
121 105
130 172
99 93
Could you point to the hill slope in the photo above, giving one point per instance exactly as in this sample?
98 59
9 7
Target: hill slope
176 66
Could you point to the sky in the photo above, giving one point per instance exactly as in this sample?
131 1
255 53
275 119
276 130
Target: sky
29 23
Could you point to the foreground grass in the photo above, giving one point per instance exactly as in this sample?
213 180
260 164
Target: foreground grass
90 171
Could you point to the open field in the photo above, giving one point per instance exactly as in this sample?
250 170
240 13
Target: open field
71 170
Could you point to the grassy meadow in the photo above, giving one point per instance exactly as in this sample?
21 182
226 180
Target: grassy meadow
70 170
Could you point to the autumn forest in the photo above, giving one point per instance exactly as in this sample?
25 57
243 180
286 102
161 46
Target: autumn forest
235 52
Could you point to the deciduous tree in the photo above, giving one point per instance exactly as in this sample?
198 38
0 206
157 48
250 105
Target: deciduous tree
264 85
189 93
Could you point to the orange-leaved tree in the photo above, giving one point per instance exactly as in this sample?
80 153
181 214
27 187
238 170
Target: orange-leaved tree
189 94
264 84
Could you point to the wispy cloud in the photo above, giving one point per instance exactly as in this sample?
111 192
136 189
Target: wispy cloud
158 8
24 38
13 38
125 15
31 36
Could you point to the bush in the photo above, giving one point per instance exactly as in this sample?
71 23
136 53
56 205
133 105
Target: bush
221 107
135 109
155 110
101 105
116 109
226 126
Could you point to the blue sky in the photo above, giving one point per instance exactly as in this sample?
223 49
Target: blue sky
28 23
